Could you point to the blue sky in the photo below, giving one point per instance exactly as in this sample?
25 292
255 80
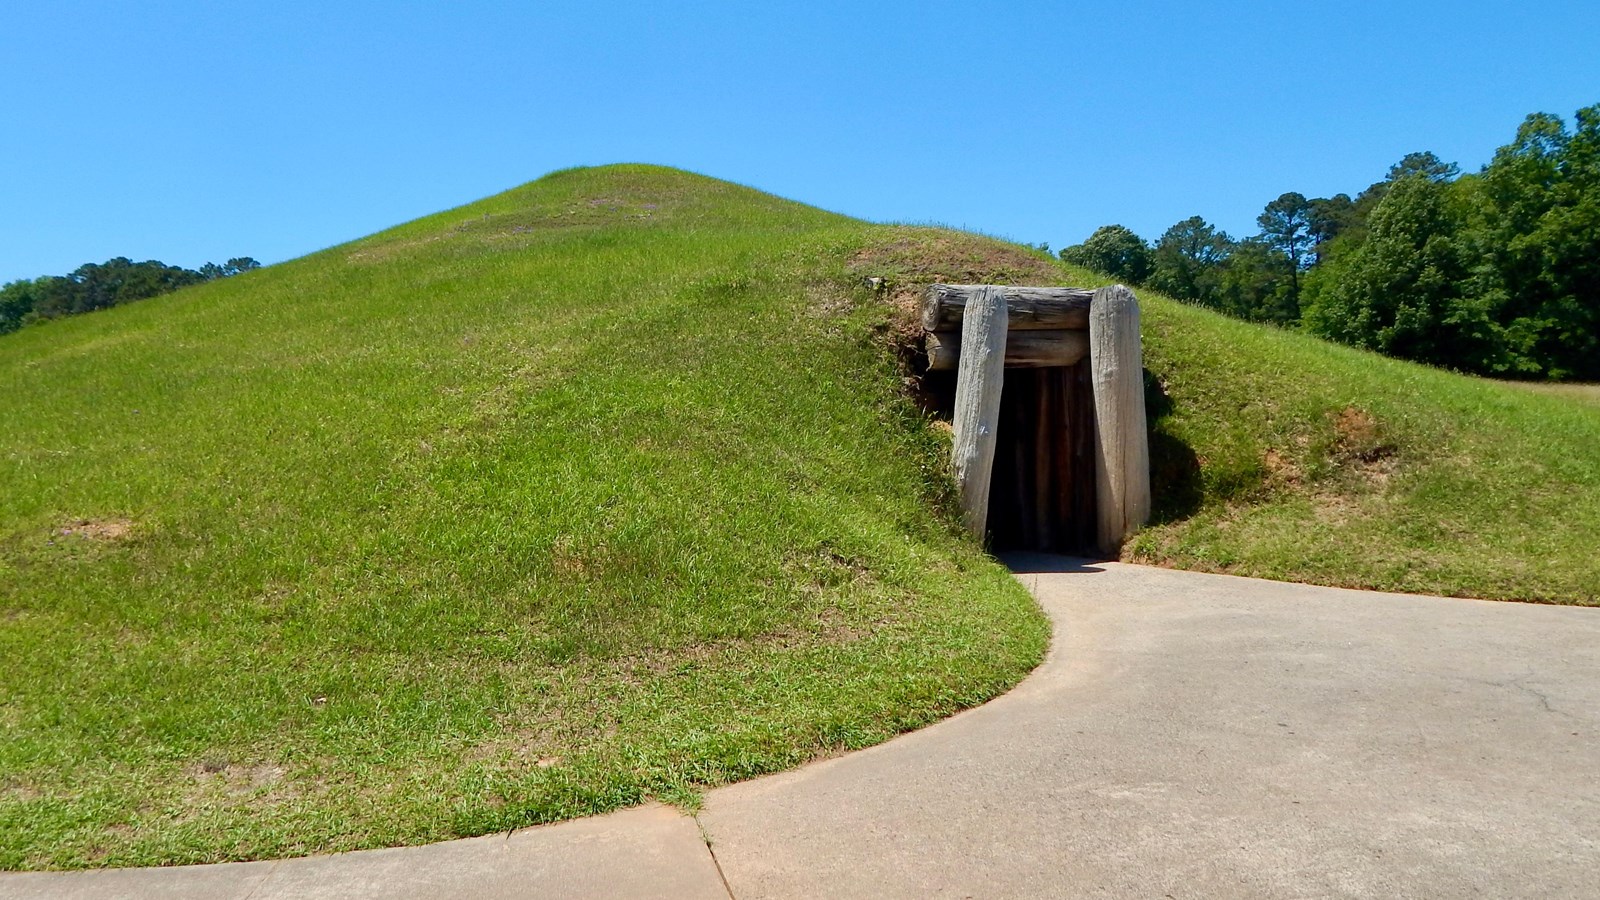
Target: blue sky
189 132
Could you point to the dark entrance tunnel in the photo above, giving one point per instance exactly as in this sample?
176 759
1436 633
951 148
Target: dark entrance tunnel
1042 492
1053 428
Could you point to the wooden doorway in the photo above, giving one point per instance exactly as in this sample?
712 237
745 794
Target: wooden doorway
1042 494
1085 387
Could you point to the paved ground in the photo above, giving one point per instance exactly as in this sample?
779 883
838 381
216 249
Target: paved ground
1189 736
653 851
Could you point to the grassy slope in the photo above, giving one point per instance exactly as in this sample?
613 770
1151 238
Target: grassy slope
1325 464
1581 393
1282 456
590 492
611 495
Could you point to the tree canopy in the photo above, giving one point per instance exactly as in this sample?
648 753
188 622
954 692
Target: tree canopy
94 286
1114 250
1495 272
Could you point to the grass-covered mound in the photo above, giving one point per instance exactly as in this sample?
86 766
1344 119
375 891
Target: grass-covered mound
599 490
609 488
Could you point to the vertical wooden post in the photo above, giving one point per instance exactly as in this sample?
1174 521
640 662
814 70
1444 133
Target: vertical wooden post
977 413
1122 457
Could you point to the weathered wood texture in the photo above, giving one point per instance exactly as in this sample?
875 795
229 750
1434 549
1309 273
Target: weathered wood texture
1027 308
977 412
1043 494
1024 349
1122 463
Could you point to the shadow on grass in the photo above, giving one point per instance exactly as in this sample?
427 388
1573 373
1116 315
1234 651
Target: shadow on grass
1175 482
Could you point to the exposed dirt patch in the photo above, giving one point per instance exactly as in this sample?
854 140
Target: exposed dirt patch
213 783
568 558
517 747
214 779
377 253
840 564
1360 445
1360 436
105 530
901 266
835 629
236 776
1281 469
826 300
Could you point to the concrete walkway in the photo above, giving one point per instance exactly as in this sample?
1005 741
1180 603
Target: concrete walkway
1189 736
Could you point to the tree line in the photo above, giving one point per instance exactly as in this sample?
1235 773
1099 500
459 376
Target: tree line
1495 273
94 286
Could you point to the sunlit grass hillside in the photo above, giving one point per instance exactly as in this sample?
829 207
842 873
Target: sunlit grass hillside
608 488
595 491
1284 456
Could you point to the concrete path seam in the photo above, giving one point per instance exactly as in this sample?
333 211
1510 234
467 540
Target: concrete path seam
712 852
265 879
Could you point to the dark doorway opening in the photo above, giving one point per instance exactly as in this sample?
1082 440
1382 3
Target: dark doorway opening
1042 492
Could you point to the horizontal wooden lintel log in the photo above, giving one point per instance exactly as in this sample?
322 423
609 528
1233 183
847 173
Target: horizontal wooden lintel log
1024 349
1027 308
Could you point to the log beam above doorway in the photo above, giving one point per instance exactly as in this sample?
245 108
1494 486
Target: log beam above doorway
1027 308
979 330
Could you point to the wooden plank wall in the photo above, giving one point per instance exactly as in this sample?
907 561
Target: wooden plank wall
1042 496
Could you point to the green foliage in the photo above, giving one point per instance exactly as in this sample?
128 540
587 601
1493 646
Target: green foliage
1328 218
17 302
235 266
1494 273
1287 227
1424 164
1188 260
1257 284
95 286
1114 250
1400 291
1534 214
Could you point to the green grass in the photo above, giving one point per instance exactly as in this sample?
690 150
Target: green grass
607 489
596 491
1582 393
1285 457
